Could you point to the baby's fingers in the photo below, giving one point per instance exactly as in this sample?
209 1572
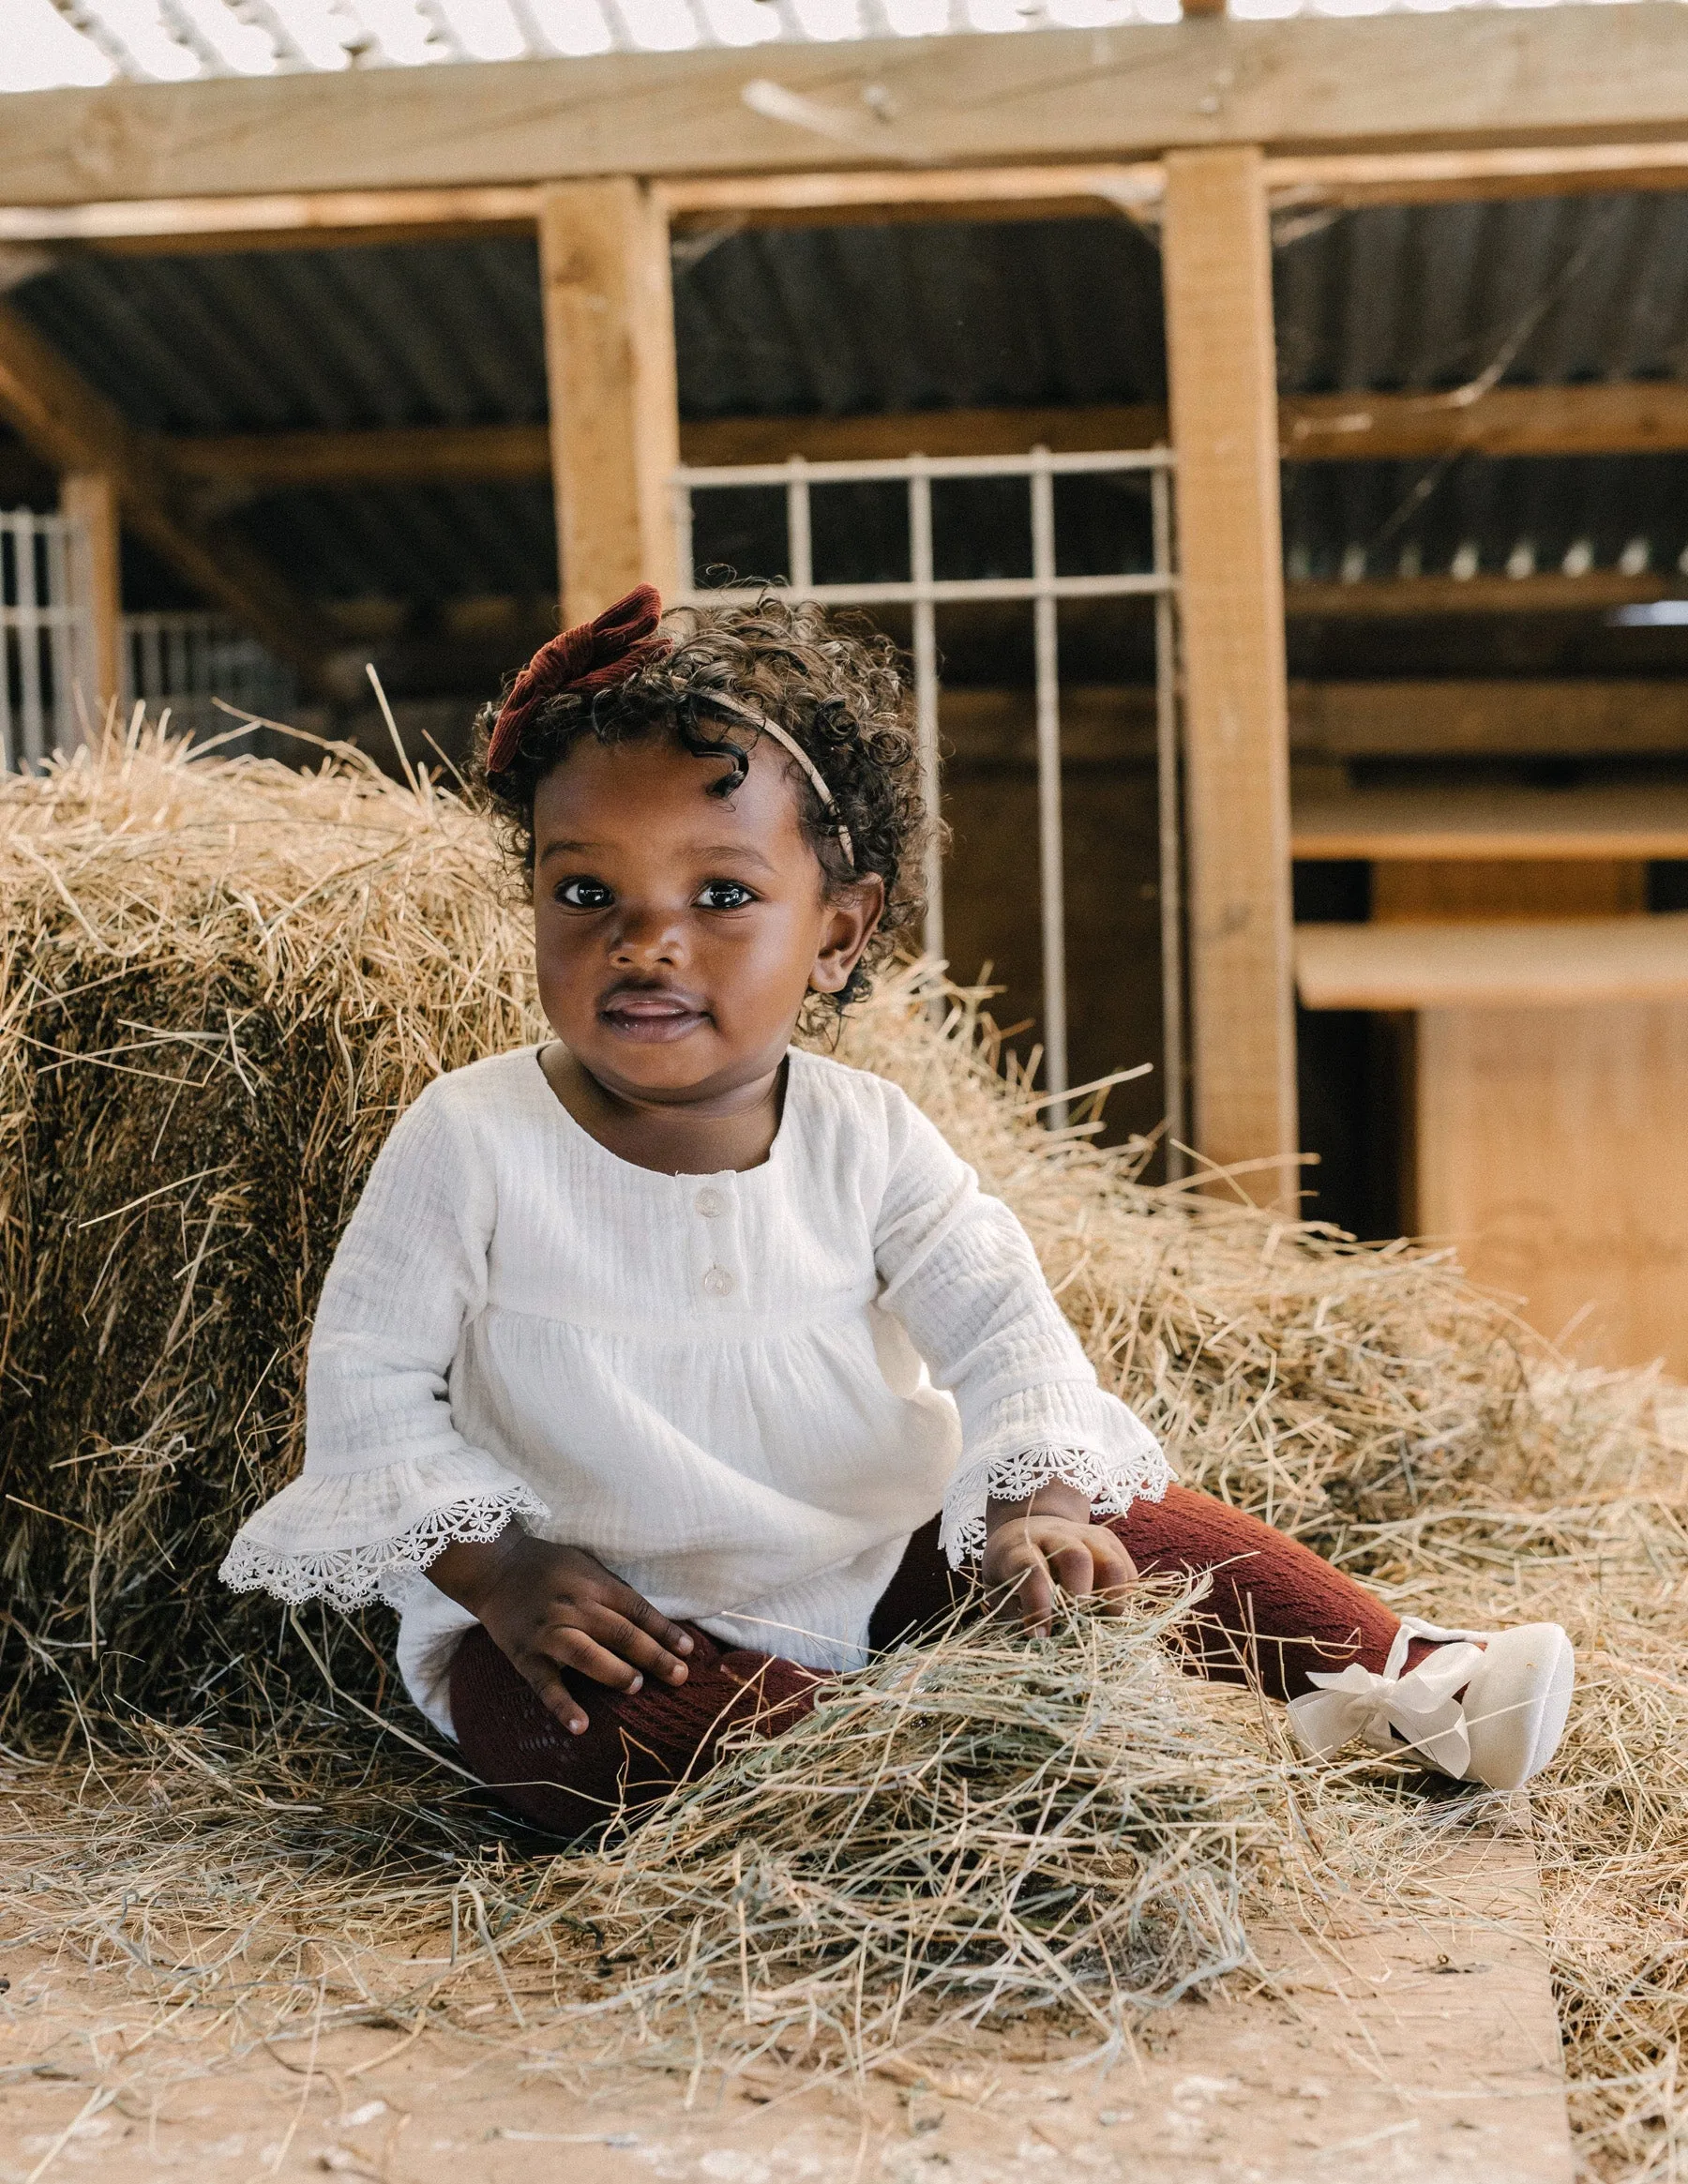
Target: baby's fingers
553 1694
567 1645
625 1637
1074 1568
668 1641
1033 1598
1115 1570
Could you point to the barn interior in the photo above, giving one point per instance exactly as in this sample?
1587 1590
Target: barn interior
1483 520
1341 680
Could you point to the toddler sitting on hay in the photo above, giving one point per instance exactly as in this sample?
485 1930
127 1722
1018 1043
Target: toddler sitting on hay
665 1369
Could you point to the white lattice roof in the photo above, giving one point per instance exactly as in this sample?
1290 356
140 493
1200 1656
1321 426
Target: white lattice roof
53 42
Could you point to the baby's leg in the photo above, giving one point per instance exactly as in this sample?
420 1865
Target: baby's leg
637 1744
1276 1610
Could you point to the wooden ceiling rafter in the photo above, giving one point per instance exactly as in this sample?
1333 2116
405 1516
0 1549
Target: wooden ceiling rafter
319 219
1509 96
1629 417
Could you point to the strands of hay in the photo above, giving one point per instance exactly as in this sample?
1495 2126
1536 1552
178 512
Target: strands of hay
977 1820
218 986
975 1831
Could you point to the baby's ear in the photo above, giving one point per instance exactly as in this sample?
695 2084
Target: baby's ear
853 915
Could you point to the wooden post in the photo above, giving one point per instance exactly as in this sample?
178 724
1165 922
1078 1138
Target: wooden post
614 406
90 498
1221 365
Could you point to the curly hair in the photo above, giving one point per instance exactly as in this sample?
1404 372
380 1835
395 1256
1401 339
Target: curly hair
831 681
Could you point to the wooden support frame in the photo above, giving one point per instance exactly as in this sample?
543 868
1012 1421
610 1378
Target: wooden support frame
1474 82
614 404
1222 374
90 498
313 219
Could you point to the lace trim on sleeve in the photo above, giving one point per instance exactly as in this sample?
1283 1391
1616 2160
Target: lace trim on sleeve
1113 1483
350 1577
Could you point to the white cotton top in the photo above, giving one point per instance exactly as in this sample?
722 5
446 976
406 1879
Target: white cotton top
742 1392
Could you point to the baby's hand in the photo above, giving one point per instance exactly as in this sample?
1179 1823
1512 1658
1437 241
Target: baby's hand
1033 1546
548 1608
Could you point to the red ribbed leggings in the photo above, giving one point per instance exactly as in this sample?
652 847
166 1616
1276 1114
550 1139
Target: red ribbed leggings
1275 1611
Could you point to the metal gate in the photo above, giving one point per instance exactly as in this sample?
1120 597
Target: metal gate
924 591
45 636
181 662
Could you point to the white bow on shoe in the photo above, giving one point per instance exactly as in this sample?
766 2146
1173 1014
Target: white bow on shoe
1486 1707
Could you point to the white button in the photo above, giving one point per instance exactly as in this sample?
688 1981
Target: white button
709 1203
717 1282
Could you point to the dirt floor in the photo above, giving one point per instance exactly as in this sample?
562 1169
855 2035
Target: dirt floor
1420 2048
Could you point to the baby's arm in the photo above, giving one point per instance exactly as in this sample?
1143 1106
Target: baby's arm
390 1489
1043 1446
549 1608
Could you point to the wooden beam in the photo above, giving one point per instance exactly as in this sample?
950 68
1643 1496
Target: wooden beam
1033 192
1617 417
90 499
1493 963
1472 80
388 455
73 426
614 408
1571 718
1392 598
318 219
1222 369
289 221
1487 826
1430 177
1633 417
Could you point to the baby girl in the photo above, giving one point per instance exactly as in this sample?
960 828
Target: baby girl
667 1368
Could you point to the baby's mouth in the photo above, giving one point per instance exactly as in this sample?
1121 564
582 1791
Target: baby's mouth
650 1015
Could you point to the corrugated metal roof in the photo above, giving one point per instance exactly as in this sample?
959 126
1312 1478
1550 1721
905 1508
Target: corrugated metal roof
409 542
260 340
768 322
864 319
1547 289
923 315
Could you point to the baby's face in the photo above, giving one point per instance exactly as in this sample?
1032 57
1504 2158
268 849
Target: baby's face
676 935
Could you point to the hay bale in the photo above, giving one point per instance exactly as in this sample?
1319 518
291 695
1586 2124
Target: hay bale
218 986
220 983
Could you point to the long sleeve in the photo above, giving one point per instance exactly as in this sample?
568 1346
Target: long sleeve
388 1483
959 1273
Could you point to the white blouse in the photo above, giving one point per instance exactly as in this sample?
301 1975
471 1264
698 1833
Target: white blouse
722 1386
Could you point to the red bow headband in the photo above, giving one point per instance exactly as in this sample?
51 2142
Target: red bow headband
592 656
595 655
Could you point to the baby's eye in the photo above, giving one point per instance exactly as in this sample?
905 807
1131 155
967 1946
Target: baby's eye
585 894
723 894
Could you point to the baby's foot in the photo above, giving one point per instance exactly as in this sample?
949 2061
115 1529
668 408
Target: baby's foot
1481 1707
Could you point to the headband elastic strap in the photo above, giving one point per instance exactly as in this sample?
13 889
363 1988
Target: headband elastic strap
780 735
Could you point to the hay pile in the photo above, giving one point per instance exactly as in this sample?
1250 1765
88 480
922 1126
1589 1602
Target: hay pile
219 983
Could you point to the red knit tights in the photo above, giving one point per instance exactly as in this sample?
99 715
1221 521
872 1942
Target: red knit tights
1275 1611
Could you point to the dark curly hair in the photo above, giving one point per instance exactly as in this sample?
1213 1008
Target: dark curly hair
831 681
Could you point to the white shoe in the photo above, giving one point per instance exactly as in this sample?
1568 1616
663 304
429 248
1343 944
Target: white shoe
1486 1707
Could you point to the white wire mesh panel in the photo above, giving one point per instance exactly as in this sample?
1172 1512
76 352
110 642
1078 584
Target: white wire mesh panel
922 590
43 633
186 661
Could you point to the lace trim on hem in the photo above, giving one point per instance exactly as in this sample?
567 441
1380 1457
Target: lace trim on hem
1112 1483
351 1577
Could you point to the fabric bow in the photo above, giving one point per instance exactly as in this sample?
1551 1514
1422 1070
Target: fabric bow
592 656
1421 1705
